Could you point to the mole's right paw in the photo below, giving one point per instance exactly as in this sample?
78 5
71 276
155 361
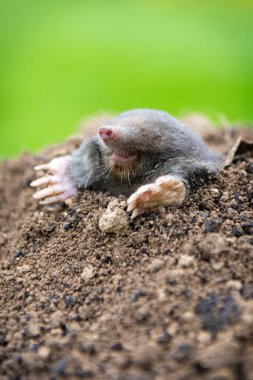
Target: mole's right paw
167 190
59 185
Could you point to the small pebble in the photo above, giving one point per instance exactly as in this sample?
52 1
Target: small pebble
114 219
221 374
220 354
188 316
56 318
234 284
67 226
237 232
172 329
137 295
88 272
214 191
211 226
156 265
217 265
19 254
43 352
117 346
70 301
204 337
164 338
186 261
182 352
60 366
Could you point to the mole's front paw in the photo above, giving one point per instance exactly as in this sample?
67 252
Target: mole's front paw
167 190
59 185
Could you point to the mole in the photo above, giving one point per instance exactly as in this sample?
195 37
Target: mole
147 155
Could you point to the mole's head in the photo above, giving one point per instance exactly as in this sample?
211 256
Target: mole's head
134 138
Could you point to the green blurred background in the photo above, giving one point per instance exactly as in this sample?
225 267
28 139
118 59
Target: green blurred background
62 61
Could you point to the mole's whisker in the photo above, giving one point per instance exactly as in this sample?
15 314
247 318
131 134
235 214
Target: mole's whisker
96 120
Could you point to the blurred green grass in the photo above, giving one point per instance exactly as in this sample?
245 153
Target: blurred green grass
62 61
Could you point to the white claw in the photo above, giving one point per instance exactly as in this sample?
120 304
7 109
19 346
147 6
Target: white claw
131 199
44 181
135 213
146 188
131 206
42 167
47 192
55 199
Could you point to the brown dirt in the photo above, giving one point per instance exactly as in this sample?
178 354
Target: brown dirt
172 298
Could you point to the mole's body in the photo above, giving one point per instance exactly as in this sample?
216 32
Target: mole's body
142 152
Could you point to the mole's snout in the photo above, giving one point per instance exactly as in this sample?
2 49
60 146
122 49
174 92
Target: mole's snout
106 133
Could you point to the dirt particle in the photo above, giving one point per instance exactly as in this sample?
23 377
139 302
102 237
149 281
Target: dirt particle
212 244
3 238
220 354
237 232
24 268
221 374
19 254
117 346
247 291
33 329
217 312
217 265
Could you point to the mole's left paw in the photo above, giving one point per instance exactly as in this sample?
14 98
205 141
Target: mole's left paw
167 190
58 184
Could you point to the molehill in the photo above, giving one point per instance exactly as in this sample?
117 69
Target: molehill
167 296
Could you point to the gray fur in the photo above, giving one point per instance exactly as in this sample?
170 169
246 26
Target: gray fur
165 144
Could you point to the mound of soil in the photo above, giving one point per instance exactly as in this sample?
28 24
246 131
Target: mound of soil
169 298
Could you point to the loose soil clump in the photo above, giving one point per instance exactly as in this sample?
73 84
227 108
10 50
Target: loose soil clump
169 297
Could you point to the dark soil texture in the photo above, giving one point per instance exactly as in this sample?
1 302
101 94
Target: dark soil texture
169 298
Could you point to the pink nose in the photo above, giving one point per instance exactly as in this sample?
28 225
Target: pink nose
106 133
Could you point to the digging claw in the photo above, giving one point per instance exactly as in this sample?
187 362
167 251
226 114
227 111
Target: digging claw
131 206
44 181
42 167
136 213
50 200
48 191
